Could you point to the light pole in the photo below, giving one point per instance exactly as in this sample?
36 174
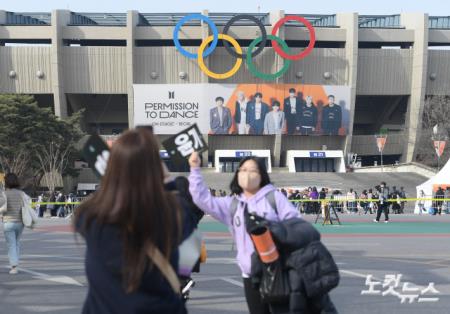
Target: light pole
381 142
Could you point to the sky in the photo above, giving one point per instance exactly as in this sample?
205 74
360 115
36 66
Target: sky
433 7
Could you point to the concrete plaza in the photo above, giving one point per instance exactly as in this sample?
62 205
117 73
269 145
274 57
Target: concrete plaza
52 276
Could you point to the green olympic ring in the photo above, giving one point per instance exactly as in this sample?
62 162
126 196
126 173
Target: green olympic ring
252 68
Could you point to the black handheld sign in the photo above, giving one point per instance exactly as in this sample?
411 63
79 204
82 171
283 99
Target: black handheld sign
182 145
96 153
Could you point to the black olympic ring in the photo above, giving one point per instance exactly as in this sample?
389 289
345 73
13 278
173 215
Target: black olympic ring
257 22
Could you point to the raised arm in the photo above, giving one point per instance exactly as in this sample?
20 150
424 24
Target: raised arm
218 207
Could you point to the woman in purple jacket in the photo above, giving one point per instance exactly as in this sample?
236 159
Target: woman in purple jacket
250 185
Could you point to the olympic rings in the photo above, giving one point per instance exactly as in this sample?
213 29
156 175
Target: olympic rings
312 39
257 22
237 52
264 76
201 17
219 76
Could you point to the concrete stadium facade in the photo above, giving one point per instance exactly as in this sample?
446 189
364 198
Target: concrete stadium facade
72 60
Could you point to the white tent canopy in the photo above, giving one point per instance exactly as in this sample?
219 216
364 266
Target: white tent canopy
428 187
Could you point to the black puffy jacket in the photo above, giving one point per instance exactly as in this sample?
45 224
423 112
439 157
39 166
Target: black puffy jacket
311 269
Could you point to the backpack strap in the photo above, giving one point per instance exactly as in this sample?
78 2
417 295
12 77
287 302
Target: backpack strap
270 197
233 208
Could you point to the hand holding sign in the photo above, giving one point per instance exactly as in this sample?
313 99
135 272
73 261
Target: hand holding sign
96 153
185 143
194 160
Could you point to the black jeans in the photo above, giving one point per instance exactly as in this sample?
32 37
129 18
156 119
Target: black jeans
385 208
254 302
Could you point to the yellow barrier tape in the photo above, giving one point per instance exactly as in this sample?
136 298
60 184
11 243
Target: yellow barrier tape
301 201
374 200
55 203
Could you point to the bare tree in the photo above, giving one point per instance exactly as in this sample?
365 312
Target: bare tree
436 112
53 161
17 163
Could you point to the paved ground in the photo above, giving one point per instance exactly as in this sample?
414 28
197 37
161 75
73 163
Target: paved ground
418 247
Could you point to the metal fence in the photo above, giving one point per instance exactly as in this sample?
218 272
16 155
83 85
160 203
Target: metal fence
346 205
341 204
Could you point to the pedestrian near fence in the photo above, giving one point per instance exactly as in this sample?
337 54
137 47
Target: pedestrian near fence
11 202
383 206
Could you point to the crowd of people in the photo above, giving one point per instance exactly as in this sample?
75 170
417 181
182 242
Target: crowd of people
311 199
44 206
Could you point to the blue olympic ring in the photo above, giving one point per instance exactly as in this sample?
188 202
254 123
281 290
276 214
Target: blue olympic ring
201 17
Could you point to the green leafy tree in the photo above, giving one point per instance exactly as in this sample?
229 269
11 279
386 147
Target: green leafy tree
28 131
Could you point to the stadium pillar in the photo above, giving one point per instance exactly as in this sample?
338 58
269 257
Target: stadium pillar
59 19
349 22
132 22
419 23
2 17
2 22
277 65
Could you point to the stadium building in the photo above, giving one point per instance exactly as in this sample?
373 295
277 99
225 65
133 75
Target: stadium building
389 64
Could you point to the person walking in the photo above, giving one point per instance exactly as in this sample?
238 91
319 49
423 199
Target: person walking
439 204
61 212
132 227
11 203
314 195
363 204
253 193
52 207
42 207
421 202
351 201
383 196
322 197
39 200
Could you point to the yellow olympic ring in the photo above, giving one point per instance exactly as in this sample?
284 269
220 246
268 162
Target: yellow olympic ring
219 76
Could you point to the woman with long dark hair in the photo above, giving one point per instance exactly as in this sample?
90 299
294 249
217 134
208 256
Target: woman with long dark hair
131 212
253 191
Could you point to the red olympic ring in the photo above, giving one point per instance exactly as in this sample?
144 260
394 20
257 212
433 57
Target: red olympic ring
312 39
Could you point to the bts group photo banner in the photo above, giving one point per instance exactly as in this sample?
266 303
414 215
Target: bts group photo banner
243 109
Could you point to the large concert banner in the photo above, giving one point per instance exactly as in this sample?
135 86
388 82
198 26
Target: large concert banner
243 109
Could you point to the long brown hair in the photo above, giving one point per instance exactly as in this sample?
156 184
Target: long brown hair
132 197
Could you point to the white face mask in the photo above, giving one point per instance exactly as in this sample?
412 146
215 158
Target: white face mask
249 181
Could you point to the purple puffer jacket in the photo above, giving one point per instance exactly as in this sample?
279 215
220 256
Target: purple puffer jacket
219 208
